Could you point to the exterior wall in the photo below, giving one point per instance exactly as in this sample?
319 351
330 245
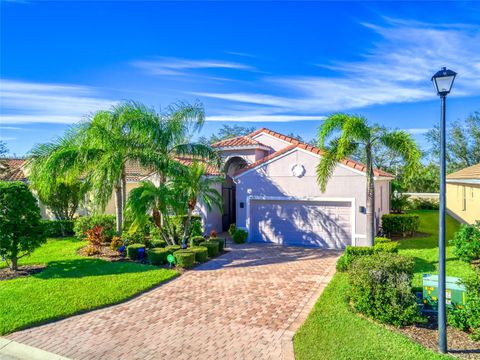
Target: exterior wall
382 200
273 142
212 220
250 155
464 208
276 179
110 208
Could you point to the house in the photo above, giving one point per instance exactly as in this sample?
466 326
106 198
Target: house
271 191
463 194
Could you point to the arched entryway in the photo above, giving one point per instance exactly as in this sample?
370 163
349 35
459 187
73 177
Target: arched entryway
232 165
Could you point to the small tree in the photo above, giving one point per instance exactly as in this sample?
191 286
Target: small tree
20 229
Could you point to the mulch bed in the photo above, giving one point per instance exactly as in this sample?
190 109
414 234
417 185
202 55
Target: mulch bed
106 253
459 343
27 270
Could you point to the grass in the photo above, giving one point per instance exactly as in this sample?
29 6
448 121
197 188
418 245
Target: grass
333 331
70 284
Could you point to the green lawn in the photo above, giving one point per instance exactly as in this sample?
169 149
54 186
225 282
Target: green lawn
333 331
70 284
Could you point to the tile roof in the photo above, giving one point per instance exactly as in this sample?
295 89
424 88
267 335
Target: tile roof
238 141
211 170
14 171
298 144
471 172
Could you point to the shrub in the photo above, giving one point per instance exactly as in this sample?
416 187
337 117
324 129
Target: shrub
157 256
95 237
116 243
220 241
382 245
423 204
399 203
232 229
58 228
381 240
158 243
381 288
196 240
212 247
91 250
172 248
137 237
467 318
388 247
239 236
184 258
201 253
132 250
400 224
21 231
467 242
84 223
178 225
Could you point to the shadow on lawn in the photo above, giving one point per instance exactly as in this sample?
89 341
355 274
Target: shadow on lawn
90 267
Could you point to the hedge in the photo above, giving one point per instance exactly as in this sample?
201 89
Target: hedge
196 240
467 242
381 288
220 241
84 223
157 256
201 253
132 250
403 224
158 243
58 228
178 222
173 248
184 258
212 247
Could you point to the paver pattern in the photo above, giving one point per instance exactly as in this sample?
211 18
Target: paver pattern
245 304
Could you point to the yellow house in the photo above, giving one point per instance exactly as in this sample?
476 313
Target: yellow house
463 194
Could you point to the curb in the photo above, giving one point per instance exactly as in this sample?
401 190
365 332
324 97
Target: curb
12 350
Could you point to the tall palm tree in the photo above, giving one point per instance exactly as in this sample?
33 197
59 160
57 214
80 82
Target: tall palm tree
194 185
355 133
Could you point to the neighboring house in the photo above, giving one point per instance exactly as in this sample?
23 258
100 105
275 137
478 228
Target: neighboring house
271 191
463 194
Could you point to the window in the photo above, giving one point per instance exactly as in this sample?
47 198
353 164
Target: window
464 197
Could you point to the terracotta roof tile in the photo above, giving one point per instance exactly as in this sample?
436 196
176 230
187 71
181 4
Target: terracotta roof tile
238 141
295 143
13 170
471 172
211 170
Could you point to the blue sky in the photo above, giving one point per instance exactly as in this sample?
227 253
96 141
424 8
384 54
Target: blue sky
275 64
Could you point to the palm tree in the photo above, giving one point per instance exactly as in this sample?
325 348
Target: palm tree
150 199
355 133
98 149
194 186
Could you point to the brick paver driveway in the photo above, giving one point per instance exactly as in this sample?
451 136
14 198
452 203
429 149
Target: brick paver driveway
246 304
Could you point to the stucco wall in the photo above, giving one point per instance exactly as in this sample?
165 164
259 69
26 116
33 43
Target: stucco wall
455 202
212 220
276 179
110 208
249 155
273 142
382 200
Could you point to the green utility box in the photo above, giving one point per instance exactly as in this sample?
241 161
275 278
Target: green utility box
455 292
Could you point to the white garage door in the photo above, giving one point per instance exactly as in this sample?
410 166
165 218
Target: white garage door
325 224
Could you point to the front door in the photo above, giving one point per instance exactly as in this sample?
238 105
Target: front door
228 195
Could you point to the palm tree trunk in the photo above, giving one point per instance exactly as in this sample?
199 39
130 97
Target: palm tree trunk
191 207
119 206
370 199
162 180
124 187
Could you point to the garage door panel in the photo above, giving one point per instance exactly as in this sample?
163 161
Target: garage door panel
306 223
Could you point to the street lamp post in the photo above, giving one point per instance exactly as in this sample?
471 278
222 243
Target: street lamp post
443 81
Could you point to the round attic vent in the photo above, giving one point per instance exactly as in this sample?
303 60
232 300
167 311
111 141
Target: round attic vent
298 170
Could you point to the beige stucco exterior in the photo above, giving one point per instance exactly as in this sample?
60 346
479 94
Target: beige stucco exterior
110 208
463 201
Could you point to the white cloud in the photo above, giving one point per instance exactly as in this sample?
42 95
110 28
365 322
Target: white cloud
176 66
242 117
417 131
396 69
26 102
